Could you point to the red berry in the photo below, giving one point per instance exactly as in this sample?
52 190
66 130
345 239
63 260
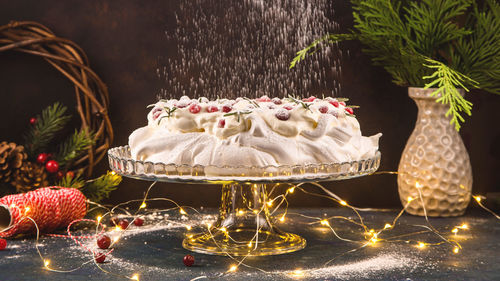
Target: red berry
157 112
282 114
59 175
263 99
277 101
103 241
52 166
70 174
349 110
188 260
138 221
227 108
194 108
334 103
123 224
221 123
287 107
212 108
323 109
309 99
33 120
3 244
42 158
342 103
99 257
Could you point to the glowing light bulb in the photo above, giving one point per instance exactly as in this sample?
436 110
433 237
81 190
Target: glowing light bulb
373 240
241 212
143 205
118 228
464 226
455 230
27 209
282 219
46 263
291 189
325 223
421 245
343 203
113 173
115 239
387 226
188 227
99 218
455 250
418 185
478 198
181 210
12 205
233 268
135 277
410 199
250 244
209 225
270 203
297 273
223 229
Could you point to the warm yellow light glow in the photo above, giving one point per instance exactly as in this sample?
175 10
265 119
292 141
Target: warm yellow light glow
421 245
297 273
223 229
270 203
250 244
143 205
478 198
27 209
291 189
387 226
455 230
113 173
12 205
373 240
241 212
282 219
188 227
410 199
464 226
455 250
46 263
325 223
99 218
118 228
190 236
209 225
135 277
418 185
181 210
233 268
115 239
343 203
371 231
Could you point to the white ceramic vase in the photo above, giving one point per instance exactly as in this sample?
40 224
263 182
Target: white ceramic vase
435 165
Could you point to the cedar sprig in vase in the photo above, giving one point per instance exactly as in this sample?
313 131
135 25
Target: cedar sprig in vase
435 165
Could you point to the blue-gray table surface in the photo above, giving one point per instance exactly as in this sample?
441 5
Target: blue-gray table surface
154 251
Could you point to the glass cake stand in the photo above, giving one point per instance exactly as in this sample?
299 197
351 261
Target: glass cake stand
245 225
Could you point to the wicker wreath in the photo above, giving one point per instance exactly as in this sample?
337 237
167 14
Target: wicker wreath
68 58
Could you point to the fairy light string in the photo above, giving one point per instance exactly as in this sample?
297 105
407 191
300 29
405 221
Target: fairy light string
369 236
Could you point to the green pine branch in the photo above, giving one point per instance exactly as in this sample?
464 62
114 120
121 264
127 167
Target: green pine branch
74 146
69 181
48 124
448 81
100 188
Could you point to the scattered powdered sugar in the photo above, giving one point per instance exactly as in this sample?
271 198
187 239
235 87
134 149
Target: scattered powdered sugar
365 268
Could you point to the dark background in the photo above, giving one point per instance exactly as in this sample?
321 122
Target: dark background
125 41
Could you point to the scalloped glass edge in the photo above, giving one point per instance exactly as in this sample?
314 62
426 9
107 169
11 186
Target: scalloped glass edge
121 162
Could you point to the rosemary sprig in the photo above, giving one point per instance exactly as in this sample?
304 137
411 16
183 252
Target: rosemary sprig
252 102
169 112
237 114
297 101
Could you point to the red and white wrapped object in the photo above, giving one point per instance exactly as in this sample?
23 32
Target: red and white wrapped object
50 207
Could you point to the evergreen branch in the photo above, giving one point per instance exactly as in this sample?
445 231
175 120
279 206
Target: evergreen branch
74 146
51 121
100 188
69 181
448 81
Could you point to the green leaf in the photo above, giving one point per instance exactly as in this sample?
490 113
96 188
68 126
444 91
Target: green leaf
100 188
74 146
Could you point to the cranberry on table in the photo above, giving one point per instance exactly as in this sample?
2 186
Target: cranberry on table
138 221
188 260
103 241
3 244
123 224
227 108
194 108
42 158
52 166
99 257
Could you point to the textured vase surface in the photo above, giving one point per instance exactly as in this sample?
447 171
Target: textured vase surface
435 165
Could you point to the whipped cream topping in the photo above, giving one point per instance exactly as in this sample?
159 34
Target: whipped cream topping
251 132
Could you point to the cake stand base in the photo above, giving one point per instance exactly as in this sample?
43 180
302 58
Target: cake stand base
244 226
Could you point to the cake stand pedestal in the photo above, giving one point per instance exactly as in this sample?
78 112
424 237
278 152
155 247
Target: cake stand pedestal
245 226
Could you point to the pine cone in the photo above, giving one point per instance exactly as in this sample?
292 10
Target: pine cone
30 176
12 157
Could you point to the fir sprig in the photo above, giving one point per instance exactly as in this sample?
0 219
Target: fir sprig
447 81
48 124
100 188
74 146
71 181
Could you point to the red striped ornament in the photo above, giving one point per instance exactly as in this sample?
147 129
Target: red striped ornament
50 207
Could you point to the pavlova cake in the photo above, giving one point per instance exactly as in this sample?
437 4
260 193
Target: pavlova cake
251 132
